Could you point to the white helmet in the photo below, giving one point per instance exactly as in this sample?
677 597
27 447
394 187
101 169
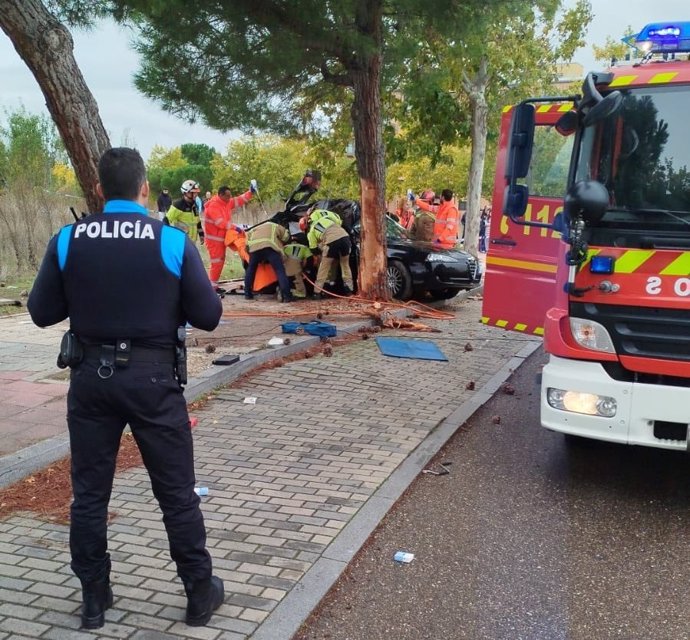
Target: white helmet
189 186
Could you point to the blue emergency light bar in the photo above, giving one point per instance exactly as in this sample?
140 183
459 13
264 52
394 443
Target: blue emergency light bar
660 37
602 264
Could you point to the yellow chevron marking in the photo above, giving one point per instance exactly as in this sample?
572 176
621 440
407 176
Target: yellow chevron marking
539 331
622 81
485 320
502 323
590 253
521 264
631 261
661 78
506 108
520 327
679 267
544 108
566 107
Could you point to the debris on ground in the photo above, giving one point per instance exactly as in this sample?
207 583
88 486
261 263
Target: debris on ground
401 323
249 400
468 347
210 348
403 557
444 471
508 389
496 419
470 385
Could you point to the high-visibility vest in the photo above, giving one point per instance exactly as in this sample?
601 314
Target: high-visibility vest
265 235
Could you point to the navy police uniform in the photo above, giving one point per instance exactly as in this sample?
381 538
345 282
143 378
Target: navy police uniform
127 282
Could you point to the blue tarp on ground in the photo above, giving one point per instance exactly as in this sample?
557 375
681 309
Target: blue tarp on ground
314 328
410 348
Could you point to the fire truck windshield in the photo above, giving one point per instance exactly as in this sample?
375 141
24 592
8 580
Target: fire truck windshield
641 154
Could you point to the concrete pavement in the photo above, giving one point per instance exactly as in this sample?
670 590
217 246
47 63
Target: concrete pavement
297 482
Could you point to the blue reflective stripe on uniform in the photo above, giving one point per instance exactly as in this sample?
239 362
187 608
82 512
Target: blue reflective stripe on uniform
64 237
172 249
124 206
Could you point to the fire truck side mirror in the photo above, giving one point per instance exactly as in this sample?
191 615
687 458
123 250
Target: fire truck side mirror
567 123
521 141
515 199
602 110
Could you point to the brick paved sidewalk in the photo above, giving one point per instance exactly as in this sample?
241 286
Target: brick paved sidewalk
296 483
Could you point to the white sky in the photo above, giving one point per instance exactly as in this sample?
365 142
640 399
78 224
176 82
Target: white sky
109 64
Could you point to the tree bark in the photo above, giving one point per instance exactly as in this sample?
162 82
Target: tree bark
46 47
476 90
369 152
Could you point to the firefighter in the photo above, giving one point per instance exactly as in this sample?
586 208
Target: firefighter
127 368
217 221
295 256
424 219
327 237
184 213
265 243
446 217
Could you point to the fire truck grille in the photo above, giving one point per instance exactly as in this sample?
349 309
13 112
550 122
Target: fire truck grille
642 331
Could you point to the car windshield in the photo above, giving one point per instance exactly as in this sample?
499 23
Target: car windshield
394 230
641 155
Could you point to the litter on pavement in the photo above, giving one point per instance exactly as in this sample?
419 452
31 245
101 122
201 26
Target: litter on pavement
444 469
201 491
250 400
403 557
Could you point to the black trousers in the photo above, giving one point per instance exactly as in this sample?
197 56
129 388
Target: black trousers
148 398
273 258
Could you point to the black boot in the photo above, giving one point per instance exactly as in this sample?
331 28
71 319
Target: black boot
203 598
97 597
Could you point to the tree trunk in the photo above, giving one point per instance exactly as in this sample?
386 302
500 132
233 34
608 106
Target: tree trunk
369 152
46 47
476 90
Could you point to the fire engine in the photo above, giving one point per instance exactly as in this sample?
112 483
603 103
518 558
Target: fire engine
592 250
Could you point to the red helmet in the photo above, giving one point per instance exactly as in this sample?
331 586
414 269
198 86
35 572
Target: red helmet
428 195
303 223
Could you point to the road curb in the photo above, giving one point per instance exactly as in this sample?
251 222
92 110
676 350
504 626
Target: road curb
22 463
286 619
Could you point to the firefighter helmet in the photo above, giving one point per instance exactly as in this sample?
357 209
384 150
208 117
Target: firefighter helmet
189 186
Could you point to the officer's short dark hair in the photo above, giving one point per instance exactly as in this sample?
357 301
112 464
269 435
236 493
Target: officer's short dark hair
121 172
223 190
447 194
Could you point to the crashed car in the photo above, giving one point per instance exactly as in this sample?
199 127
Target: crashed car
415 269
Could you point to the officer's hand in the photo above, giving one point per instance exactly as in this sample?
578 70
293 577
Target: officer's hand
410 195
253 185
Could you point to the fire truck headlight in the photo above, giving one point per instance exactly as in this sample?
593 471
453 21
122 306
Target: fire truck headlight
590 404
591 335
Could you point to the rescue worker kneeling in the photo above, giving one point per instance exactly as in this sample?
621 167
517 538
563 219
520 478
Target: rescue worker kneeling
327 237
295 255
265 243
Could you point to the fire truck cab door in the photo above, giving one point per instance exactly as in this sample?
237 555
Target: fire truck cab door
520 276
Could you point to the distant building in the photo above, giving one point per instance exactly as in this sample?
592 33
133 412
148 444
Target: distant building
569 74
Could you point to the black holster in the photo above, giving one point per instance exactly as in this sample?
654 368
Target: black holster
181 356
71 351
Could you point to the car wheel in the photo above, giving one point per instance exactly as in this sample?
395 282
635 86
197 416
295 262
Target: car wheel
399 280
444 294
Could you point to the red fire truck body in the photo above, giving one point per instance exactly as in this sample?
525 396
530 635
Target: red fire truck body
604 272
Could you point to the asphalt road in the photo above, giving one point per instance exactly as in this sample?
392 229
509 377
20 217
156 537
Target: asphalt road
527 537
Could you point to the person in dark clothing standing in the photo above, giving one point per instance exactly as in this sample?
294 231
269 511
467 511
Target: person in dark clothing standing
164 201
307 187
128 284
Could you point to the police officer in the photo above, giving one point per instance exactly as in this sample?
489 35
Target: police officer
127 282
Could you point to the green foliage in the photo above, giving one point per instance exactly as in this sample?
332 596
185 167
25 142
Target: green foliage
200 154
29 148
619 51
